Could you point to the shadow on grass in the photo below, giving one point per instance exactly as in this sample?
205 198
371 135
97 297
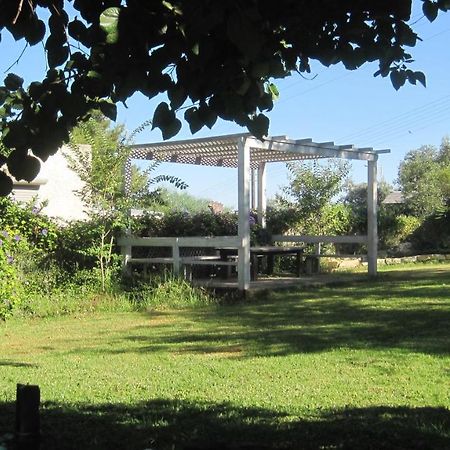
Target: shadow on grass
168 424
390 313
16 364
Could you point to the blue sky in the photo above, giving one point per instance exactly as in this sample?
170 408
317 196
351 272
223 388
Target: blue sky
348 107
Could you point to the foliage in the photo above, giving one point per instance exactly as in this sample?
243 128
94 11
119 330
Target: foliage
356 195
77 246
10 284
182 201
210 61
392 221
395 229
26 236
100 167
27 221
181 223
433 234
424 177
310 193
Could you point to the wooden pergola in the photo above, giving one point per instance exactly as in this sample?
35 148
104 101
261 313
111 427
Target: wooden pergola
250 156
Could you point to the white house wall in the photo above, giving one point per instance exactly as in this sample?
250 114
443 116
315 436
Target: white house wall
60 189
56 185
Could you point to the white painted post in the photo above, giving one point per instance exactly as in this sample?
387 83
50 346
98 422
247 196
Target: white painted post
262 200
125 251
244 215
176 258
253 190
372 229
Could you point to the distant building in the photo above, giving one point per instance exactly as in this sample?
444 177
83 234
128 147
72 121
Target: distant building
57 185
394 198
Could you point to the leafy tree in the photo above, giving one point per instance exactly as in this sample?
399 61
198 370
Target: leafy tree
310 193
100 166
182 201
394 225
424 177
212 59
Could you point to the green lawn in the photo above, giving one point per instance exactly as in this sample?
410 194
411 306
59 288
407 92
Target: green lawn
364 366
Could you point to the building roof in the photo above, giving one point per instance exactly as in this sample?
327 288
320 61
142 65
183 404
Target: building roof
394 198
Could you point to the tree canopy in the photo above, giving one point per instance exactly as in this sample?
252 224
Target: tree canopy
424 177
212 59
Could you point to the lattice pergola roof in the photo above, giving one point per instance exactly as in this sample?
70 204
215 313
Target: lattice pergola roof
222 151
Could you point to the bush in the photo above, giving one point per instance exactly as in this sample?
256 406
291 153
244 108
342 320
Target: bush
400 230
177 223
26 221
433 235
10 283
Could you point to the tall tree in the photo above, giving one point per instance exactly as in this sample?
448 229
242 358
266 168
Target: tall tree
213 59
424 177
100 165
310 193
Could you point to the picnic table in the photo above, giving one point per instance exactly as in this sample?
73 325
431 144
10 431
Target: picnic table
268 253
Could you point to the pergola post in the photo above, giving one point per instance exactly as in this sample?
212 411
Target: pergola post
262 202
125 250
244 215
372 228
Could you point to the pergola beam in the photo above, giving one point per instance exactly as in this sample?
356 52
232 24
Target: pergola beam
315 150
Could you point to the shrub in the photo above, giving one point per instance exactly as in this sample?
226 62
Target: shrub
433 235
10 283
37 229
400 230
177 223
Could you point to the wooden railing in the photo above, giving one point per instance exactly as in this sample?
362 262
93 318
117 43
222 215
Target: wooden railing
318 240
175 243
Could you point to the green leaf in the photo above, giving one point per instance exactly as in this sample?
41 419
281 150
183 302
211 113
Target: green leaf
208 116
15 135
35 32
108 108
177 96
13 82
398 79
244 35
406 36
164 118
444 5
192 117
29 168
420 77
171 129
162 115
273 90
6 184
3 94
109 23
57 55
259 126
430 10
78 31
195 49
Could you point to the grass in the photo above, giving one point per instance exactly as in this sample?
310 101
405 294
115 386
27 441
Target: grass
362 366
